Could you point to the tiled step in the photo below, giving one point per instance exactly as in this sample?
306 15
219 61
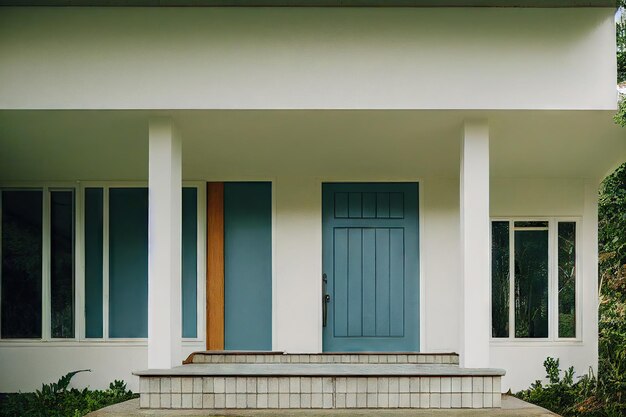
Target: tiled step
320 385
362 358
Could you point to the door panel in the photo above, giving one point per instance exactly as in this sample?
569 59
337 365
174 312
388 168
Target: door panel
370 238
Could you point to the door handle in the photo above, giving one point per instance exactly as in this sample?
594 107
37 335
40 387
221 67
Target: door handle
325 300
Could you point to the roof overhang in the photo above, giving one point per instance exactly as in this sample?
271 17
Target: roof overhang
315 3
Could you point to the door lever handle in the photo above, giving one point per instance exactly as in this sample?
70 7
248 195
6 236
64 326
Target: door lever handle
325 300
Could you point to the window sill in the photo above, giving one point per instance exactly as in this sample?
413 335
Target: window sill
534 343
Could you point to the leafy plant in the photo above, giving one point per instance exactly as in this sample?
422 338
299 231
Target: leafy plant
57 399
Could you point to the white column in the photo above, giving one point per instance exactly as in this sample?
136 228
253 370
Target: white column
164 244
475 320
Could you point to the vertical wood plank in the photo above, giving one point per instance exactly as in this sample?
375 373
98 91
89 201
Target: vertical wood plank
215 267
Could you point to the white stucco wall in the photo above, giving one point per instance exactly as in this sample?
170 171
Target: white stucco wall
307 58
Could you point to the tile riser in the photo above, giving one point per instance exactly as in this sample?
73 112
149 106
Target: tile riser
320 392
312 358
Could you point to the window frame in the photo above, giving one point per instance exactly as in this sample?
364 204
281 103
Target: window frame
553 281
78 188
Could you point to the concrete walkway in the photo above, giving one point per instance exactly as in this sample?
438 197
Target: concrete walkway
511 407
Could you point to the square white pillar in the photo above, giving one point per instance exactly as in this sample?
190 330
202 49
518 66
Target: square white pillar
164 244
475 247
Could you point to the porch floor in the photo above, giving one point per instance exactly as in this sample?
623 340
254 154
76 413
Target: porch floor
511 407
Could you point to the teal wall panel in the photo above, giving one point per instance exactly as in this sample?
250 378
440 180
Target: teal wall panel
190 262
248 266
128 262
93 261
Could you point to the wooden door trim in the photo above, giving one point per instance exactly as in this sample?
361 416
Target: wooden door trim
215 267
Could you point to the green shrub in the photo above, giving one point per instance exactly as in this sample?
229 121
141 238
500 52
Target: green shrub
58 400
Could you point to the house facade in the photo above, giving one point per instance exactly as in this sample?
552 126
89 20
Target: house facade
308 180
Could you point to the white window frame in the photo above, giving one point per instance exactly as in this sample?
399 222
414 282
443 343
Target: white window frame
78 188
553 281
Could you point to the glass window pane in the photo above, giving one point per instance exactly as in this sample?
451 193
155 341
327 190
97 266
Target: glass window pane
567 279
500 284
21 263
190 262
62 263
540 223
93 261
128 262
531 283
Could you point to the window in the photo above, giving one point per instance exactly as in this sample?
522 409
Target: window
37 225
533 279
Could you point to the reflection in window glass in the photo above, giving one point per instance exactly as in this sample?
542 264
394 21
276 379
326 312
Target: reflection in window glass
21 263
567 279
62 263
531 224
531 283
500 253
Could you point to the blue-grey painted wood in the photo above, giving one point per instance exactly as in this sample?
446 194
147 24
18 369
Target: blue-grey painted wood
93 261
371 258
190 262
248 266
128 262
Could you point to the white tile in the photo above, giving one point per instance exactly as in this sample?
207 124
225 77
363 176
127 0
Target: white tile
438 359
220 400
261 385
488 384
261 358
241 384
144 384
197 400
383 400
446 384
283 400
251 385
361 400
144 400
456 384
197 385
283 385
358 358
345 358
394 384
327 385
250 358
455 401
230 385
404 400
305 400
412 358
392 359
242 400
435 400
166 401
424 384
424 400
305 385
154 386
372 400
394 400
340 400
316 385
251 401
177 400
272 400
421 359
187 385
219 385
497 381
430 359
414 384
327 401
466 384
187 400
477 400
208 400
497 400
361 385
383 359
373 359
466 400
207 384
272 385
403 358
403 384
294 385
240 359
446 399
261 400
155 401
341 385
488 400
435 384
317 401
294 400
383 385
372 386
231 400
351 400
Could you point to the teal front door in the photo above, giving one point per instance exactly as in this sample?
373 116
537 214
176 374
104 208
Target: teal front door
371 267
